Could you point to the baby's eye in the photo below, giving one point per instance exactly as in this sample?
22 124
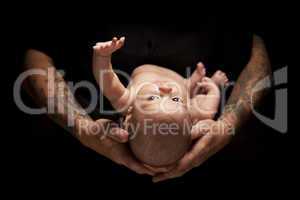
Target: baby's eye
177 99
152 98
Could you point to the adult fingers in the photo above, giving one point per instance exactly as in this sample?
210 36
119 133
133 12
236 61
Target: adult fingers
137 167
160 169
201 128
112 130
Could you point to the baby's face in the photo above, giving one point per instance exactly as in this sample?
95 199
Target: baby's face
169 97
161 124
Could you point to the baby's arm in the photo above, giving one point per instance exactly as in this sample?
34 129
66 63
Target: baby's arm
107 79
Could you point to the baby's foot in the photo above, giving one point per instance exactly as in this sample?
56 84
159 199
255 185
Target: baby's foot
105 49
220 78
205 105
196 77
208 87
200 71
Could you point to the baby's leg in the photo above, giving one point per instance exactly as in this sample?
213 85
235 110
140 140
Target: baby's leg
205 105
196 77
108 81
220 78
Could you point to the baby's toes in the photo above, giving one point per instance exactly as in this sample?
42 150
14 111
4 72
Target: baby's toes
114 40
201 69
122 39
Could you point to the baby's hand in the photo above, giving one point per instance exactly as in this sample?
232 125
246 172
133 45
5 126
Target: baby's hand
105 49
220 78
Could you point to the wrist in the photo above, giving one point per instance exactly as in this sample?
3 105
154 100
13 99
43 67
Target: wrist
229 124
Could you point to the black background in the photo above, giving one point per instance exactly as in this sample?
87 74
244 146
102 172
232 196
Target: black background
56 161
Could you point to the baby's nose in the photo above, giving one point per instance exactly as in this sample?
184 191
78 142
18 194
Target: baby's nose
166 90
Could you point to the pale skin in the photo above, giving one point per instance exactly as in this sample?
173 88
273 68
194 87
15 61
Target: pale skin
236 113
67 107
152 85
218 133
152 88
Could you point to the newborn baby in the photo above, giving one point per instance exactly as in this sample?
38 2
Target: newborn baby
159 106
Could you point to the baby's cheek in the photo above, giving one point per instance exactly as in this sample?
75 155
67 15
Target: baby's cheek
144 107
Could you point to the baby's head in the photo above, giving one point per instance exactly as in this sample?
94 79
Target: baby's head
159 123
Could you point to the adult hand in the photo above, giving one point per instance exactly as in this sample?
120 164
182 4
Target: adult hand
211 137
104 137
